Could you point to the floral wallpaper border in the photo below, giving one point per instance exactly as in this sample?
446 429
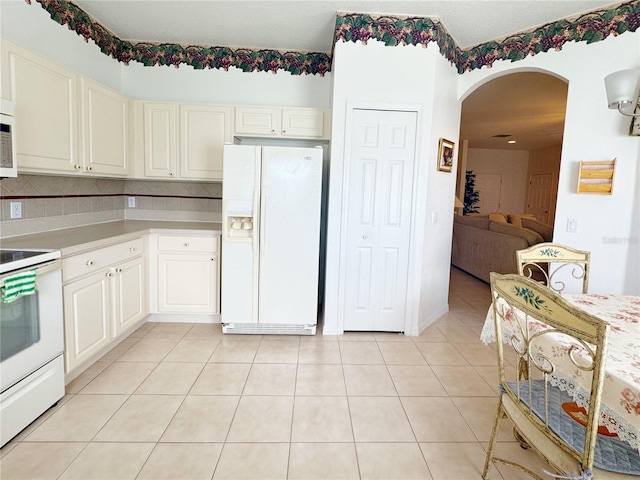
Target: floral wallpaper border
590 27
352 27
200 57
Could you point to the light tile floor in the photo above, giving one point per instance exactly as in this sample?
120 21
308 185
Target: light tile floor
182 401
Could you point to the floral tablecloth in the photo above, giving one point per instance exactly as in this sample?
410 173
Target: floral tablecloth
621 393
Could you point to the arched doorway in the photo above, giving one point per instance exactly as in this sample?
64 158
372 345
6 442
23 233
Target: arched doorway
511 133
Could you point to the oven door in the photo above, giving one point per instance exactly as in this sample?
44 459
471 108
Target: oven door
31 327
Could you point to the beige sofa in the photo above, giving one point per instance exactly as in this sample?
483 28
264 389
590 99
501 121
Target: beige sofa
482 245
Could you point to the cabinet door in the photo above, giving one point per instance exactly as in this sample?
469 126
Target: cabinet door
204 130
105 130
46 110
186 283
87 314
302 122
257 121
129 290
160 140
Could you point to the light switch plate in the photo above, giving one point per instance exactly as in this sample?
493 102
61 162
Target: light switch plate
16 209
131 202
572 225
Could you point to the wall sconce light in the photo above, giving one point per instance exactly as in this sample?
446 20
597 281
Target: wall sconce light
623 88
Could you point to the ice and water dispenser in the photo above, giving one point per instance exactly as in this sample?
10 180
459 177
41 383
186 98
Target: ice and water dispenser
239 226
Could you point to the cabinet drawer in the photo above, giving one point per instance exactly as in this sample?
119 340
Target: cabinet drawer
85 263
177 243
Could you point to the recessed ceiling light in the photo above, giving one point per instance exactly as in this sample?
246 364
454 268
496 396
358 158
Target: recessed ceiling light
511 141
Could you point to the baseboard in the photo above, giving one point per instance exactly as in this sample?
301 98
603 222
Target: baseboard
184 317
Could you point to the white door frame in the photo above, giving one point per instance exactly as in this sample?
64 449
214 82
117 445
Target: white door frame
415 240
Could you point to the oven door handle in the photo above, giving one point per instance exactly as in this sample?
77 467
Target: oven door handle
48 267
39 269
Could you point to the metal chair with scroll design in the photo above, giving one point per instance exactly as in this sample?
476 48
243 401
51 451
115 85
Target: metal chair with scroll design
544 261
539 410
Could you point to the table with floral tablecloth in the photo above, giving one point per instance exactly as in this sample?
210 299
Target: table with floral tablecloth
621 393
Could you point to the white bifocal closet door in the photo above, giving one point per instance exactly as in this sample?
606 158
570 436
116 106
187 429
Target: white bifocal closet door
380 179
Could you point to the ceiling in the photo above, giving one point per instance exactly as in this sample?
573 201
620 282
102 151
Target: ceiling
530 107
308 25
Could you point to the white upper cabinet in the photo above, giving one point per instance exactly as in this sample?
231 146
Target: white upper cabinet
303 122
46 108
160 140
281 122
64 123
257 121
105 130
185 141
204 129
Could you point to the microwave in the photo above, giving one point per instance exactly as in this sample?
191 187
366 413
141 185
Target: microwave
8 163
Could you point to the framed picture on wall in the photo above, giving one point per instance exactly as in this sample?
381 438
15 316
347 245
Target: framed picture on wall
445 155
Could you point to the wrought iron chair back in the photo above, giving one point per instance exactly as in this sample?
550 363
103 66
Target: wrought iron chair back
530 398
552 264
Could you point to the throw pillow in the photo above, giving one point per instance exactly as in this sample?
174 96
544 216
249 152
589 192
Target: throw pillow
516 219
545 231
530 236
497 217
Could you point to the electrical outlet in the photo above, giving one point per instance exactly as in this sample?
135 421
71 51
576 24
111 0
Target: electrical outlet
131 201
16 209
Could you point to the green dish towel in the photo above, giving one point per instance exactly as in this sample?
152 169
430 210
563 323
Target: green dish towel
15 286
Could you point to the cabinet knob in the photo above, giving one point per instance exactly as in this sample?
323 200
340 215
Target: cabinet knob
273 131
77 167
132 249
364 237
213 259
284 131
186 244
89 263
118 270
89 168
108 274
171 174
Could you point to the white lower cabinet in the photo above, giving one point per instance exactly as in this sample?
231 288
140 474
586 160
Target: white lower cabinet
87 314
104 296
188 274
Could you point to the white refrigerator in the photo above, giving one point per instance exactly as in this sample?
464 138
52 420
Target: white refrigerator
271 202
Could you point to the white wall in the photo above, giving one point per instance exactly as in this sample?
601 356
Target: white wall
512 165
185 84
31 27
414 78
608 225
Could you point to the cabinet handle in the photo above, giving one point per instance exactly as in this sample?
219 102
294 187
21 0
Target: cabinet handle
77 167
284 131
186 244
132 249
171 174
89 168
118 270
89 263
108 274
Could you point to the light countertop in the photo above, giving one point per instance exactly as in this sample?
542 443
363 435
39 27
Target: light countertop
78 239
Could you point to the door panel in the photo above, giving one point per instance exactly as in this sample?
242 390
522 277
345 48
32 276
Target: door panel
539 196
380 187
290 235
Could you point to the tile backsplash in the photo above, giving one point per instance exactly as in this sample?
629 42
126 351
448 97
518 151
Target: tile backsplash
54 202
